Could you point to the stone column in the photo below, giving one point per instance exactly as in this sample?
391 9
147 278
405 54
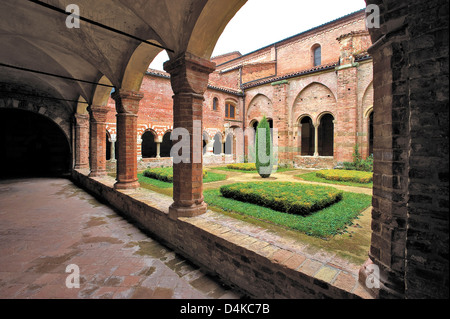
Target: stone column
316 140
158 149
97 148
127 107
113 150
81 141
189 78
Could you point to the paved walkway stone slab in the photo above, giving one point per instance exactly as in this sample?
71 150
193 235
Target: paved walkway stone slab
49 224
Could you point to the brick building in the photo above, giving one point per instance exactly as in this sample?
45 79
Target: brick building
51 73
315 88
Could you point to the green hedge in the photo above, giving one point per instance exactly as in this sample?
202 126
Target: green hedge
164 174
288 197
346 176
243 166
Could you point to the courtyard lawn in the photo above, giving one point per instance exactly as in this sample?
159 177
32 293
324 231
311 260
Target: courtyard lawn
312 177
325 223
144 180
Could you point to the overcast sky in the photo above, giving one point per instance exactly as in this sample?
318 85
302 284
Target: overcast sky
263 22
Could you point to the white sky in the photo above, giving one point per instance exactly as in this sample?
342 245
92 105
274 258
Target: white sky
263 22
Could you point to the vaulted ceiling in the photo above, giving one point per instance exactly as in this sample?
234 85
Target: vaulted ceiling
35 37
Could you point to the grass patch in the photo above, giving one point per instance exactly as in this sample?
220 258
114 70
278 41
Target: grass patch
325 223
312 177
286 197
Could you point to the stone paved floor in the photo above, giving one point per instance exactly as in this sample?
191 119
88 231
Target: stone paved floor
49 224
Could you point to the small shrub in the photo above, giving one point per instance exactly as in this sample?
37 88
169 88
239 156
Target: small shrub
346 175
359 164
243 166
287 197
264 168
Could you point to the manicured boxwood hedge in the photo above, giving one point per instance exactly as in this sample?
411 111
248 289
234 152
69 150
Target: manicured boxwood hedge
288 197
164 174
243 166
346 176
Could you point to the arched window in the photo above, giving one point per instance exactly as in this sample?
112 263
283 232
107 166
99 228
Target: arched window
148 145
230 110
308 132
205 142
215 104
166 145
229 145
217 144
326 135
317 54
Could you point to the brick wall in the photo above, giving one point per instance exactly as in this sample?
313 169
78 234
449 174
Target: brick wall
410 205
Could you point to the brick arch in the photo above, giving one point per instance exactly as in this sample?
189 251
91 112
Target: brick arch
321 115
314 99
259 106
155 135
301 117
52 111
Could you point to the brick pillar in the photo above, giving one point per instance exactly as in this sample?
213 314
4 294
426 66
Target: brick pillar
410 218
281 122
347 102
189 78
81 141
127 107
97 148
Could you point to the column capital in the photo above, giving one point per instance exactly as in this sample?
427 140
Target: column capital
131 99
81 120
189 73
98 113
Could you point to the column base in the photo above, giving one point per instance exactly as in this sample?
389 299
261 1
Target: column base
176 212
97 173
81 166
127 185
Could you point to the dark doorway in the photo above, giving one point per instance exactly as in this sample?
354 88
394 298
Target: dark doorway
148 145
166 145
108 146
326 135
32 145
307 146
